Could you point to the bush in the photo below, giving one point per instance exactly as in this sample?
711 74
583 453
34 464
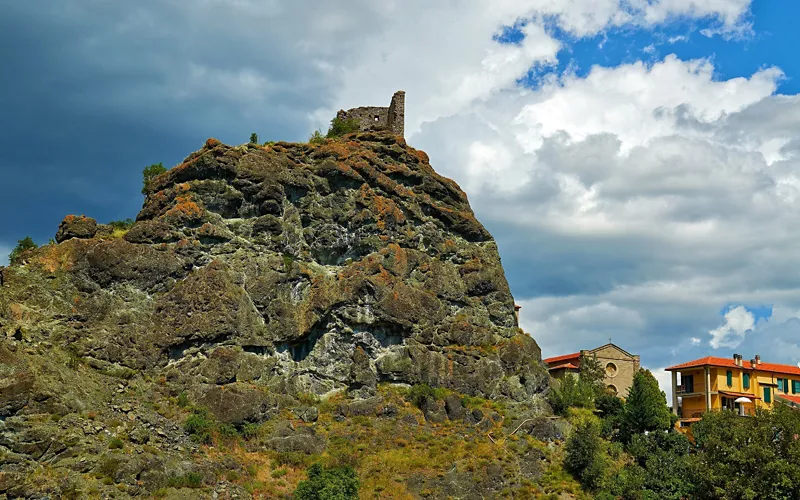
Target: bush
188 480
149 173
115 444
227 431
419 394
253 138
183 399
250 430
121 224
342 126
584 454
337 483
199 426
316 138
23 245
571 392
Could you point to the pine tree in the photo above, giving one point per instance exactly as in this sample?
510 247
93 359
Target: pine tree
645 408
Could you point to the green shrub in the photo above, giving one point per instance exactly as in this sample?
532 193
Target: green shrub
291 458
23 245
115 444
250 430
188 480
253 138
336 483
199 426
342 126
183 399
585 457
571 392
227 431
317 138
420 394
122 224
149 173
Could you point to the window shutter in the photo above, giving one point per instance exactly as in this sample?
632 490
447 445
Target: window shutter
767 398
746 380
730 378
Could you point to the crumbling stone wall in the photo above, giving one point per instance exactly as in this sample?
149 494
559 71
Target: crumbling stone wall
390 118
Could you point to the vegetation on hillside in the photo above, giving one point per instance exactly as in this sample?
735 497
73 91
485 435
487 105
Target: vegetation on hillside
149 173
629 450
338 128
24 244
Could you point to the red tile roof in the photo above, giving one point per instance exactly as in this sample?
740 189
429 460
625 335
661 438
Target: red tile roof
566 357
729 363
793 399
568 366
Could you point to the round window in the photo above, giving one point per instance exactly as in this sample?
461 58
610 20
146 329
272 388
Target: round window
612 389
611 370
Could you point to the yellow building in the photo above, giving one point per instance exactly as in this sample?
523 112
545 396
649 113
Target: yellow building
713 383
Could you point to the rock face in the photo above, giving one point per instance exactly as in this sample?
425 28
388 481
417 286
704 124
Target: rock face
331 266
253 273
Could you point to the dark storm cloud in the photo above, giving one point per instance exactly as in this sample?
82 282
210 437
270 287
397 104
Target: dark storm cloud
92 91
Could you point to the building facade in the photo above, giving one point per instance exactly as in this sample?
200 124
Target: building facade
713 383
619 366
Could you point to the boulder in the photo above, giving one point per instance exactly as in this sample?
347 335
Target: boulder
76 227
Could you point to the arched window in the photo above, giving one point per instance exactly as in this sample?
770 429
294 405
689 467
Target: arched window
612 389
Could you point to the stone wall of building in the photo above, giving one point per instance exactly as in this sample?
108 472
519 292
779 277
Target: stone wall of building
619 367
379 118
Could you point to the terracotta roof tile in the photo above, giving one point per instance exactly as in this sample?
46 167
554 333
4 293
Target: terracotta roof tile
793 399
729 363
565 357
568 366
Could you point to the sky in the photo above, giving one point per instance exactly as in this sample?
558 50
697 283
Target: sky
638 161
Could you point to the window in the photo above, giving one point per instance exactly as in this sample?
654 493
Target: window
688 382
611 370
780 384
746 381
729 374
767 395
612 389
795 386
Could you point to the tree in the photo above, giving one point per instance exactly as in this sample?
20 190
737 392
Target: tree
752 457
585 458
341 126
253 138
645 408
23 245
571 392
149 173
336 483
593 374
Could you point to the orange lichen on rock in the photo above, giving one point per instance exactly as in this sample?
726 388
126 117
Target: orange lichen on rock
56 258
185 210
212 143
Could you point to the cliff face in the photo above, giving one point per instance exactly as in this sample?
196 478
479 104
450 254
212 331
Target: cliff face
297 268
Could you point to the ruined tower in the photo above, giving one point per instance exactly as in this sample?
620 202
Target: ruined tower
390 118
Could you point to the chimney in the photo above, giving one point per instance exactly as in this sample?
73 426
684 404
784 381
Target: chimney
758 359
736 359
753 363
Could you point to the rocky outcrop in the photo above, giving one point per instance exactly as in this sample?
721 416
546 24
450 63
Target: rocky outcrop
76 227
344 264
254 274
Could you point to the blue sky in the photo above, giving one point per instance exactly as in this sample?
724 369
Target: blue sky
652 199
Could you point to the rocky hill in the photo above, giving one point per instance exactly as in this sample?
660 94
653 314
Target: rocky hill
265 291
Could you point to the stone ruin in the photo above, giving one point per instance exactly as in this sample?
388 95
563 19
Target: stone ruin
390 118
